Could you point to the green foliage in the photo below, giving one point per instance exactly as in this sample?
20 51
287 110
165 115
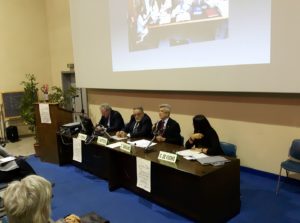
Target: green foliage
27 103
57 96
62 98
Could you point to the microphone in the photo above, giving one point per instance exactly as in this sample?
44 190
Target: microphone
148 148
155 133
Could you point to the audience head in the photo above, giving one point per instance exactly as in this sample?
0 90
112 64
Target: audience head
164 111
28 200
105 110
201 124
138 113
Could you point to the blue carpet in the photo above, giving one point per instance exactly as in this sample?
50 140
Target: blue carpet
79 192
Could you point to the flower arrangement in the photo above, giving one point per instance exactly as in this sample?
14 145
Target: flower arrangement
45 88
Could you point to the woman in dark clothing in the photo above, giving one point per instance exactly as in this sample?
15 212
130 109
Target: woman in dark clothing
204 138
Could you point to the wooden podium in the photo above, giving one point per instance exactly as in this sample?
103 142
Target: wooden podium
46 133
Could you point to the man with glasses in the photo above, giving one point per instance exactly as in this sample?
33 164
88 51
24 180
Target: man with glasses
140 125
111 120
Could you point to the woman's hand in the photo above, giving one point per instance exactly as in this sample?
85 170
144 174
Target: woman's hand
197 136
200 150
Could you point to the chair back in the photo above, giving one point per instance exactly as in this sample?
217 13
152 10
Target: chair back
181 140
295 149
229 149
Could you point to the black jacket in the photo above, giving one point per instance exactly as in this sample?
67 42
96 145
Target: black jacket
144 127
171 132
210 141
116 121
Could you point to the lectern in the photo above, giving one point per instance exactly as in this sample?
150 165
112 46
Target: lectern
46 132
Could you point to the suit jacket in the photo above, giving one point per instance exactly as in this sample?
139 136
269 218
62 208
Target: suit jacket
143 129
210 141
172 132
115 119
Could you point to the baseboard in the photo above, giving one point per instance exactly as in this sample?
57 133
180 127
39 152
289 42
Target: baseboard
270 175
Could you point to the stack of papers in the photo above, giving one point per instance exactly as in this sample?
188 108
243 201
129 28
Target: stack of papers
8 164
7 159
191 154
143 143
213 160
114 145
117 138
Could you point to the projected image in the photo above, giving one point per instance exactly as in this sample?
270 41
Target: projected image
166 23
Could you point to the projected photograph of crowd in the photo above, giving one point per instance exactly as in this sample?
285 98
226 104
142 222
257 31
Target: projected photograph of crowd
168 23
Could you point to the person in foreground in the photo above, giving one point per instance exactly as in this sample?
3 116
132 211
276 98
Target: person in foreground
111 120
205 138
167 129
14 169
140 125
29 201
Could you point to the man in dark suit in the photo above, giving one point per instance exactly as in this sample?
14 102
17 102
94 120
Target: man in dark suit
167 129
140 125
110 119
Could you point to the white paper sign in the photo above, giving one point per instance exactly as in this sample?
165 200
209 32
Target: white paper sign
125 147
168 157
77 154
102 141
45 113
82 136
143 173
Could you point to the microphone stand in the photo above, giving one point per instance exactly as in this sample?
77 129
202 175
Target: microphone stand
148 148
81 98
155 133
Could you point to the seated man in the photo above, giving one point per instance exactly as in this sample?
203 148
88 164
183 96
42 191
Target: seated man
14 169
167 129
140 125
111 120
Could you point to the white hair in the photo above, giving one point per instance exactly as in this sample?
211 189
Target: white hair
28 200
165 107
105 106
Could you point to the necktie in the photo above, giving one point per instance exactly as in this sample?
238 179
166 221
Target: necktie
136 125
161 127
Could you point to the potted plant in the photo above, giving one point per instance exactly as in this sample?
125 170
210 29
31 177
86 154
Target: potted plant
27 104
63 98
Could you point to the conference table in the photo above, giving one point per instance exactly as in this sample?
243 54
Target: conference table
203 193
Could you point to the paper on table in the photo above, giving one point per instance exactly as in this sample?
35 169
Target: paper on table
77 155
143 143
188 157
191 154
143 173
44 113
200 155
117 138
187 152
114 145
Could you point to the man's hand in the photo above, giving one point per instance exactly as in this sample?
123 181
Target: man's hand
121 134
160 139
